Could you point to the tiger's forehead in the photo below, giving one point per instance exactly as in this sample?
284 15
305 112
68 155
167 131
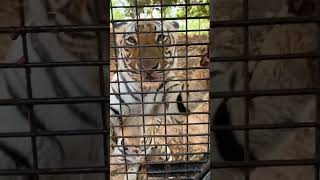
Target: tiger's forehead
147 26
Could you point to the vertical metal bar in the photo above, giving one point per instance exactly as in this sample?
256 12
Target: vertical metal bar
211 99
164 93
207 165
187 4
317 108
118 84
247 88
141 79
187 75
317 134
103 51
29 90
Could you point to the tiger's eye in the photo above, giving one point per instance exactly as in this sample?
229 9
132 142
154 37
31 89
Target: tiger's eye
161 37
132 40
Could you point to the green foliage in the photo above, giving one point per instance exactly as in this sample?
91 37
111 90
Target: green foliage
192 10
182 11
116 14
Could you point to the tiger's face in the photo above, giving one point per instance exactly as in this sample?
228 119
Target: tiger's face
146 49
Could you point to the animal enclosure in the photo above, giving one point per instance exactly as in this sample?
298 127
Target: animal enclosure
159 84
93 89
264 90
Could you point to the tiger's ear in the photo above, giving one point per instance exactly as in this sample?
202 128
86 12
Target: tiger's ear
120 26
172 26
175 24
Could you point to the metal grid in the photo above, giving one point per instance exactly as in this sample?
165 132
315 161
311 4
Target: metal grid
156 169
245 158
183 168
37 170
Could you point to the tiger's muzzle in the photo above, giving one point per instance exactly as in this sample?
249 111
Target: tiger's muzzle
151 69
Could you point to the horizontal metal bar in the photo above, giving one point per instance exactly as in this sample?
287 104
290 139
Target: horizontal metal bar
267 126
140 103
186 167
168 69
48 101
177 176
71 132
159 19
169 169
168 172
55 64
160 114
263 163
173 163
164 80
69 64
167 124
177 144
168 154
158 92
161 5
53 133
273 57
164 135
169 31
54 29
68 132
157 173
182 80
163 45
259 93
101 99
264 21
70 100
150 58
52 171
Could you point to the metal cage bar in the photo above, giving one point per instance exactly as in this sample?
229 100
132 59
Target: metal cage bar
34 134
166 169
249 163
182 169
29 92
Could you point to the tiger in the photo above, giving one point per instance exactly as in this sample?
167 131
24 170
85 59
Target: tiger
54 82
151 60
144 49
154 146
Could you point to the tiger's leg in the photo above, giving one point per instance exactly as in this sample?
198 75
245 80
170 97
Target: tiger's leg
119 153
157 147
127 163
114 131
135 146
132 170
